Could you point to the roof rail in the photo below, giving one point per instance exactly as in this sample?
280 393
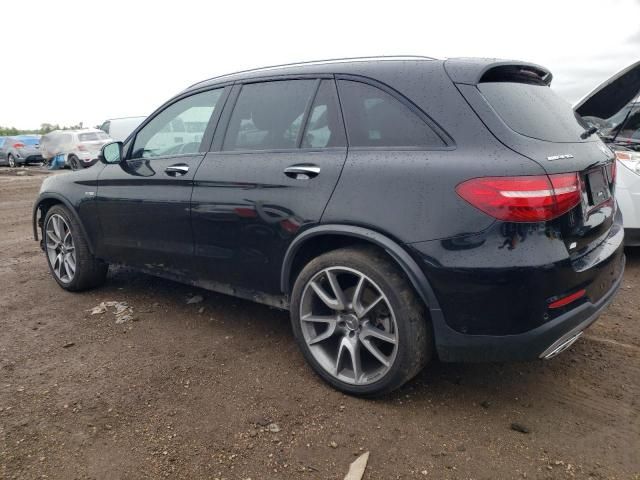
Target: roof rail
316 62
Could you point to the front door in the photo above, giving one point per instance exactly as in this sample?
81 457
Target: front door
272 174
144 202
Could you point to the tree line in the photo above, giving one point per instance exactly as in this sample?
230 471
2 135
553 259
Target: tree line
44 128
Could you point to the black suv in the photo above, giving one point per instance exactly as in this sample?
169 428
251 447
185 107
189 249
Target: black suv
399 208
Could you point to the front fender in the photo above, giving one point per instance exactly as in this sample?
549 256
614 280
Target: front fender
56 198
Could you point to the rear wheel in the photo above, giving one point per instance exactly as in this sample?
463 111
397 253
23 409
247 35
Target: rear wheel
74 163
359 323
70 261
12 161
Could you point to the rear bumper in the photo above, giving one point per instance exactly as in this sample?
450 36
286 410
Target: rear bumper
29 159
88 162
492 299
537 343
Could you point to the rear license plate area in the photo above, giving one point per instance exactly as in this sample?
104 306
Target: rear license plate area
597 187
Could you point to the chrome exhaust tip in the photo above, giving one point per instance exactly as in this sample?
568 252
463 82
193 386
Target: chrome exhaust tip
556 348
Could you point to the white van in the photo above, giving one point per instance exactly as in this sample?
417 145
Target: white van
120 128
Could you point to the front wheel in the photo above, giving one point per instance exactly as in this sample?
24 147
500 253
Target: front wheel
70 261
359 323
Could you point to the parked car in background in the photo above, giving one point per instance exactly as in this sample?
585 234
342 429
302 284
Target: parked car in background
613 107
20 150
80 147
467 216
120 128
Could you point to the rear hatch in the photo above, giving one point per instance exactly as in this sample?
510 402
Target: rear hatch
92 142
516 104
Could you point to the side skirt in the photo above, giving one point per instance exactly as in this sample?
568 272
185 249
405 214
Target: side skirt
276 301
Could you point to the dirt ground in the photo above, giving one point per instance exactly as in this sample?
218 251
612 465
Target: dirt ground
218 389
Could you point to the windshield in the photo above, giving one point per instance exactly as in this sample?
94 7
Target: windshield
534 111
92 136
624 125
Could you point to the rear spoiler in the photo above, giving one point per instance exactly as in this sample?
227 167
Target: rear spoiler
471 71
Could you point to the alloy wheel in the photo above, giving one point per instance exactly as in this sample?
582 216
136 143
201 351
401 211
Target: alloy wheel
348 325
60 248
12 161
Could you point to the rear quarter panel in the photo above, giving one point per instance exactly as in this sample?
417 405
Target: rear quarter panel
410 194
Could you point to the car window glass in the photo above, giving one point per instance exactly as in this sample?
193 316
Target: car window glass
374 118
268 115
324 127
179 128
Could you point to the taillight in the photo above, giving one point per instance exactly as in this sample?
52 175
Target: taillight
82 148
523 199
18 145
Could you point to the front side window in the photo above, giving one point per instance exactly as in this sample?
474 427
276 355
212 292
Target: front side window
375 118
179 128
324 128
268 116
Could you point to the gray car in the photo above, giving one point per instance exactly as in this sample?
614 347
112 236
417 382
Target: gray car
20 150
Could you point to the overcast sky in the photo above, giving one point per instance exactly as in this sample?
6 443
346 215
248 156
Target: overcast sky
71 61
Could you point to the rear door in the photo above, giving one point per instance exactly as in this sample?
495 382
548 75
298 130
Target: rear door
270 173
143 202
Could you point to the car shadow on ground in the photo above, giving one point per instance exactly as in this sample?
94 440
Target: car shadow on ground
438 382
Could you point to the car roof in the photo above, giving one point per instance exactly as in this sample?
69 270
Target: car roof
125 118
460 70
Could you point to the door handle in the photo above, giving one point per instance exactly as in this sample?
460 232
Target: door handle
178 169
302 171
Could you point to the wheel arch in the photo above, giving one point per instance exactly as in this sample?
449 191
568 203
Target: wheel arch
342 235
42 206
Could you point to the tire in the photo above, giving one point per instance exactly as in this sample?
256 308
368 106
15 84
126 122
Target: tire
74 163
89 272
12 161
395 327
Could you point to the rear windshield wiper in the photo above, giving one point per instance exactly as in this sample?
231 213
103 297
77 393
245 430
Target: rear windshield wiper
588 132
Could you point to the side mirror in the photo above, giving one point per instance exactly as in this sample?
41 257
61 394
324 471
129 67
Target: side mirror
111 153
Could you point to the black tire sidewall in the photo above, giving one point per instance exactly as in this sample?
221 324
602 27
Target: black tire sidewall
410 318
89 272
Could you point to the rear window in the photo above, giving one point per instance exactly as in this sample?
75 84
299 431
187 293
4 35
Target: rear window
534 111
92 136
29 140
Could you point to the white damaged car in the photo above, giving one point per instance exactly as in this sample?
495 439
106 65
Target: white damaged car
613 107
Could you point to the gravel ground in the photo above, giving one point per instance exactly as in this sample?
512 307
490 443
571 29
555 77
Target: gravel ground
217 389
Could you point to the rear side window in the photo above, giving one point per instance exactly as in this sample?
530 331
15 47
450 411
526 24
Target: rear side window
268 116
324 127
534 111
374 118
29 140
